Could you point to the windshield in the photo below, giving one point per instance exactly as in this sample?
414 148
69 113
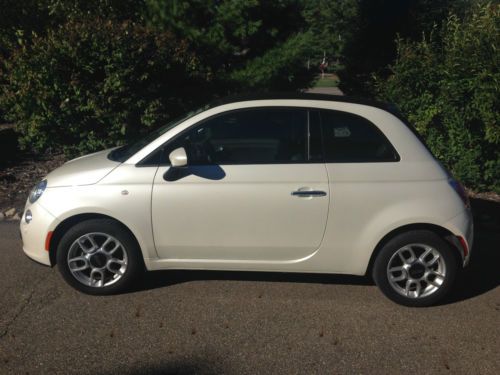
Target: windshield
124 152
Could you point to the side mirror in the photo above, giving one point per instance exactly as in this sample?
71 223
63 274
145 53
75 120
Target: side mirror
178 158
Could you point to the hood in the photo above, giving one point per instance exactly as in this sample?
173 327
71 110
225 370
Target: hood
85 170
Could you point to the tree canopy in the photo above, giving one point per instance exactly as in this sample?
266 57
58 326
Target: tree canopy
146 61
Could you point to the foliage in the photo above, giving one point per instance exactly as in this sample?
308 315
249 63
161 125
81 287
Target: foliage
281 67
90 85
236 45
330 23
20 21
371 46
80 75
448 85
246 44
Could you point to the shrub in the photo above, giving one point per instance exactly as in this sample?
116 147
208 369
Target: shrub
94 84
448 86
80 75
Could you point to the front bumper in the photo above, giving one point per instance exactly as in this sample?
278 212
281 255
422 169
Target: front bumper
35 233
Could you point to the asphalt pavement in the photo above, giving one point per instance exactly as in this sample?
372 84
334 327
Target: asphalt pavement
187 322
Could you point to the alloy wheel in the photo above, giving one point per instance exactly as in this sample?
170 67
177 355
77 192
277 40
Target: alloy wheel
97 259
416 270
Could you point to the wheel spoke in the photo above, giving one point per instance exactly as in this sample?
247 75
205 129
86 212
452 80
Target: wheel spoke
407 287
404 259
424 255
413 293
102 278
418 289
400 277
91 239
433 261
116 261
434 283
396 269
438 279
116 272
438 275
412 257
87 249
75 261
91 276
105 243
92 279
116 247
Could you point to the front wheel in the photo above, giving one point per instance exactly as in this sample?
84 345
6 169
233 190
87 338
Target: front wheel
416 268
99 256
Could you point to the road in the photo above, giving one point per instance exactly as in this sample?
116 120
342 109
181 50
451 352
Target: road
244 323
325 90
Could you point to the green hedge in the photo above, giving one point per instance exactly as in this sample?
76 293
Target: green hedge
94 84
448 85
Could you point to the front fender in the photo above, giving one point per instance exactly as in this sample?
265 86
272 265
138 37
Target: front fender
132 209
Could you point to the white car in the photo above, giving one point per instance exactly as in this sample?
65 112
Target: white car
282 183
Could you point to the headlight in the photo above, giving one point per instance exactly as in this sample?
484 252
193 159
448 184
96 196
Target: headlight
37 191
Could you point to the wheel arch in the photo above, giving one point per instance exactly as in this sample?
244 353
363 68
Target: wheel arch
69 222
444 233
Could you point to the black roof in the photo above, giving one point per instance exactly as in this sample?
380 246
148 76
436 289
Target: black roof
388 107
305 96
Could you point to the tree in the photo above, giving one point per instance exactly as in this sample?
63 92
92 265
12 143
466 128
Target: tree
80 75
95 84
448 84
372 47
330 23
244 44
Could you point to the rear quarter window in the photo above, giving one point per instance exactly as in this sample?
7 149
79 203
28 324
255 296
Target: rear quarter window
349 138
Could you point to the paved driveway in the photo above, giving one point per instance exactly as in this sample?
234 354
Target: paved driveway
221 322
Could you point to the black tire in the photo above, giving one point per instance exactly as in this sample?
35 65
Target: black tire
134 267
425 237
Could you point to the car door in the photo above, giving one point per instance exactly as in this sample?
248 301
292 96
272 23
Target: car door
254 189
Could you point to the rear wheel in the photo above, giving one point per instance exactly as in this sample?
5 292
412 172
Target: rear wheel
416 268
99 256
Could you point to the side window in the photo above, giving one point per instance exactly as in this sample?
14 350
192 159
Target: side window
250 136
350 138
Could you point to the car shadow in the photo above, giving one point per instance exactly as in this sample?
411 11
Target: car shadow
481 276
172 367
159 279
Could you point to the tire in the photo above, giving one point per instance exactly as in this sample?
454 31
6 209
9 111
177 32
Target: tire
105 257
416 268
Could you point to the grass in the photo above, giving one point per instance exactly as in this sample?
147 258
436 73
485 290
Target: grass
329 80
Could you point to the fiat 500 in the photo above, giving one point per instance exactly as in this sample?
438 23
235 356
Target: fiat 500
284 183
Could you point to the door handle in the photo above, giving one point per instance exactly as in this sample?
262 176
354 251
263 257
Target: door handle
308 193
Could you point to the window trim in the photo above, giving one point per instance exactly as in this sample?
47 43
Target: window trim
144 161
397 158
